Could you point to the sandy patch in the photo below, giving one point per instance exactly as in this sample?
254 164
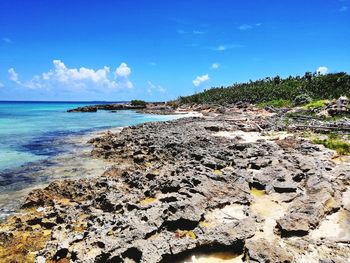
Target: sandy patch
252 137
335 227
184 114
228 214
341 159
270 210
219 257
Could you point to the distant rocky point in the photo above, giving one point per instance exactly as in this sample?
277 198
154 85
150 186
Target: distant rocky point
110 107
160 108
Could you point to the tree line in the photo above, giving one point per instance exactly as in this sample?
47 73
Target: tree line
314 85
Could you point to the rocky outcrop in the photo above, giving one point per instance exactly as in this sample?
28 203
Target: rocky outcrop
339 106
109 107
191 188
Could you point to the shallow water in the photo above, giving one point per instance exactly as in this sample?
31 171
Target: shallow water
29 130
41 142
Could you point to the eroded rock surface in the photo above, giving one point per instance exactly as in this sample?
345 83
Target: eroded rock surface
188 186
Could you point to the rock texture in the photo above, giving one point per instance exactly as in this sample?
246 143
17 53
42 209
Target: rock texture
226 183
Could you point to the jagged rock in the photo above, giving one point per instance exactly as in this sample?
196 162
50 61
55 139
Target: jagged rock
285 187
294 225
262 251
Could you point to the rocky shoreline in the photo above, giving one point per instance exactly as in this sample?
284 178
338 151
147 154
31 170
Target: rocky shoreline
230 186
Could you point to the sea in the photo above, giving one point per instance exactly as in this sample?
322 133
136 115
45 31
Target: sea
41 142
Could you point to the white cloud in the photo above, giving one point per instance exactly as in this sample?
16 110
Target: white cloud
245 27
344 8
194 32
197 32
13 75
123 70
1 85
152 87
322 70
215 66
200 79
226 47
221 48
7 40
61 77
153 64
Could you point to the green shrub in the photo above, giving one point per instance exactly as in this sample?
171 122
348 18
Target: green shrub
341 147
174 104
333 136
138 103
276 103
315 104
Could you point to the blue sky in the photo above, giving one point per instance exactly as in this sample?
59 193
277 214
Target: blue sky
159 50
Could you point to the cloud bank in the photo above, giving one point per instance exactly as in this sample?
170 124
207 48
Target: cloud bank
62 77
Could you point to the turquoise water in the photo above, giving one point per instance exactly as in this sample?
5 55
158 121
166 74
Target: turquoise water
29 130
42 142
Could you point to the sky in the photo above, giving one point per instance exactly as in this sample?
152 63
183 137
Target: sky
114 50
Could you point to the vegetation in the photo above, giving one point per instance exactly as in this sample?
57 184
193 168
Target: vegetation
302 99
138 103
315 104
276 90
276 103
173 103
334 142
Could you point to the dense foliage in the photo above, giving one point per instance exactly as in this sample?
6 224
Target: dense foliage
269 89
